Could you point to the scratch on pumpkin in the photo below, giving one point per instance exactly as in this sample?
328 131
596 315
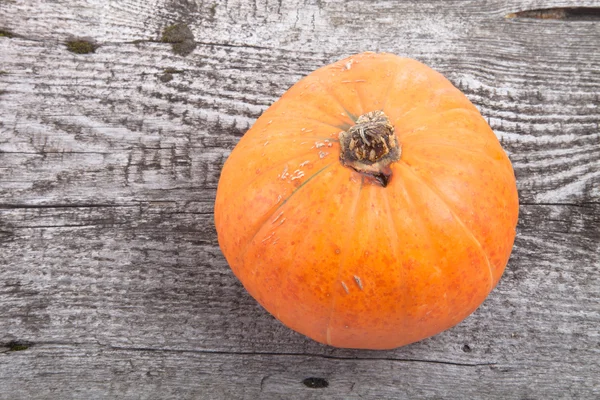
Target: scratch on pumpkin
284 174
358 282
345 287
277 217
297 174
268 237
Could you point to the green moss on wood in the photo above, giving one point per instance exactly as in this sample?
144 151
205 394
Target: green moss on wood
177 33
6 33
213 11
166 78
167 75
17 346
80 47
181 38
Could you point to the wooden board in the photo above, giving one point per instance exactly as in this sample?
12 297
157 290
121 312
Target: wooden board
112 283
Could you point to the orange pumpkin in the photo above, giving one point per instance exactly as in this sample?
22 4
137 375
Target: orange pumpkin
371 206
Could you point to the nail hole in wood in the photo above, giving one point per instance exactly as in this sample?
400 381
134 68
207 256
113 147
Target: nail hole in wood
315 383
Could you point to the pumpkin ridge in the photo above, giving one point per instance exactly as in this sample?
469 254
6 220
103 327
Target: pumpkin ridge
328 91
456 217
471 151
274 166
278 139
416 135
342 261
418 129
345 125
387 96
431 243
307 235
501 169
269 215
361 103
398 119
396 238
279 116
418 219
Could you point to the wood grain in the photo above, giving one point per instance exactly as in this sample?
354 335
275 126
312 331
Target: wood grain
145 373
113 285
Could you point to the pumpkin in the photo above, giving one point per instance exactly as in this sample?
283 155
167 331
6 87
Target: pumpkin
371 206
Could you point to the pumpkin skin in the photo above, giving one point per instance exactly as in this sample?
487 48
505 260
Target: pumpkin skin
330 251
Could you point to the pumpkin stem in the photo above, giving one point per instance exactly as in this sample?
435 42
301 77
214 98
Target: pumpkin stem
370 146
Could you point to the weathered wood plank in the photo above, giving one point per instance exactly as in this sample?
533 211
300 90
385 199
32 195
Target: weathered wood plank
140 130
126 276
92 371
109 163
293 24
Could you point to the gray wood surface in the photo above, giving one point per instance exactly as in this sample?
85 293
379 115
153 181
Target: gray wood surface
112 284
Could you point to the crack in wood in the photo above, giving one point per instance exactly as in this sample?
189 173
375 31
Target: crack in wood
82 205
44 152
562 13
262 382
578 204
97 225
304 355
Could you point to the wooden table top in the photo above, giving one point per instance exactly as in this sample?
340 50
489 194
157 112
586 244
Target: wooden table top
112 284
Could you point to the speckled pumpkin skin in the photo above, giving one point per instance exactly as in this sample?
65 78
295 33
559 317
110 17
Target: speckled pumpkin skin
337 257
